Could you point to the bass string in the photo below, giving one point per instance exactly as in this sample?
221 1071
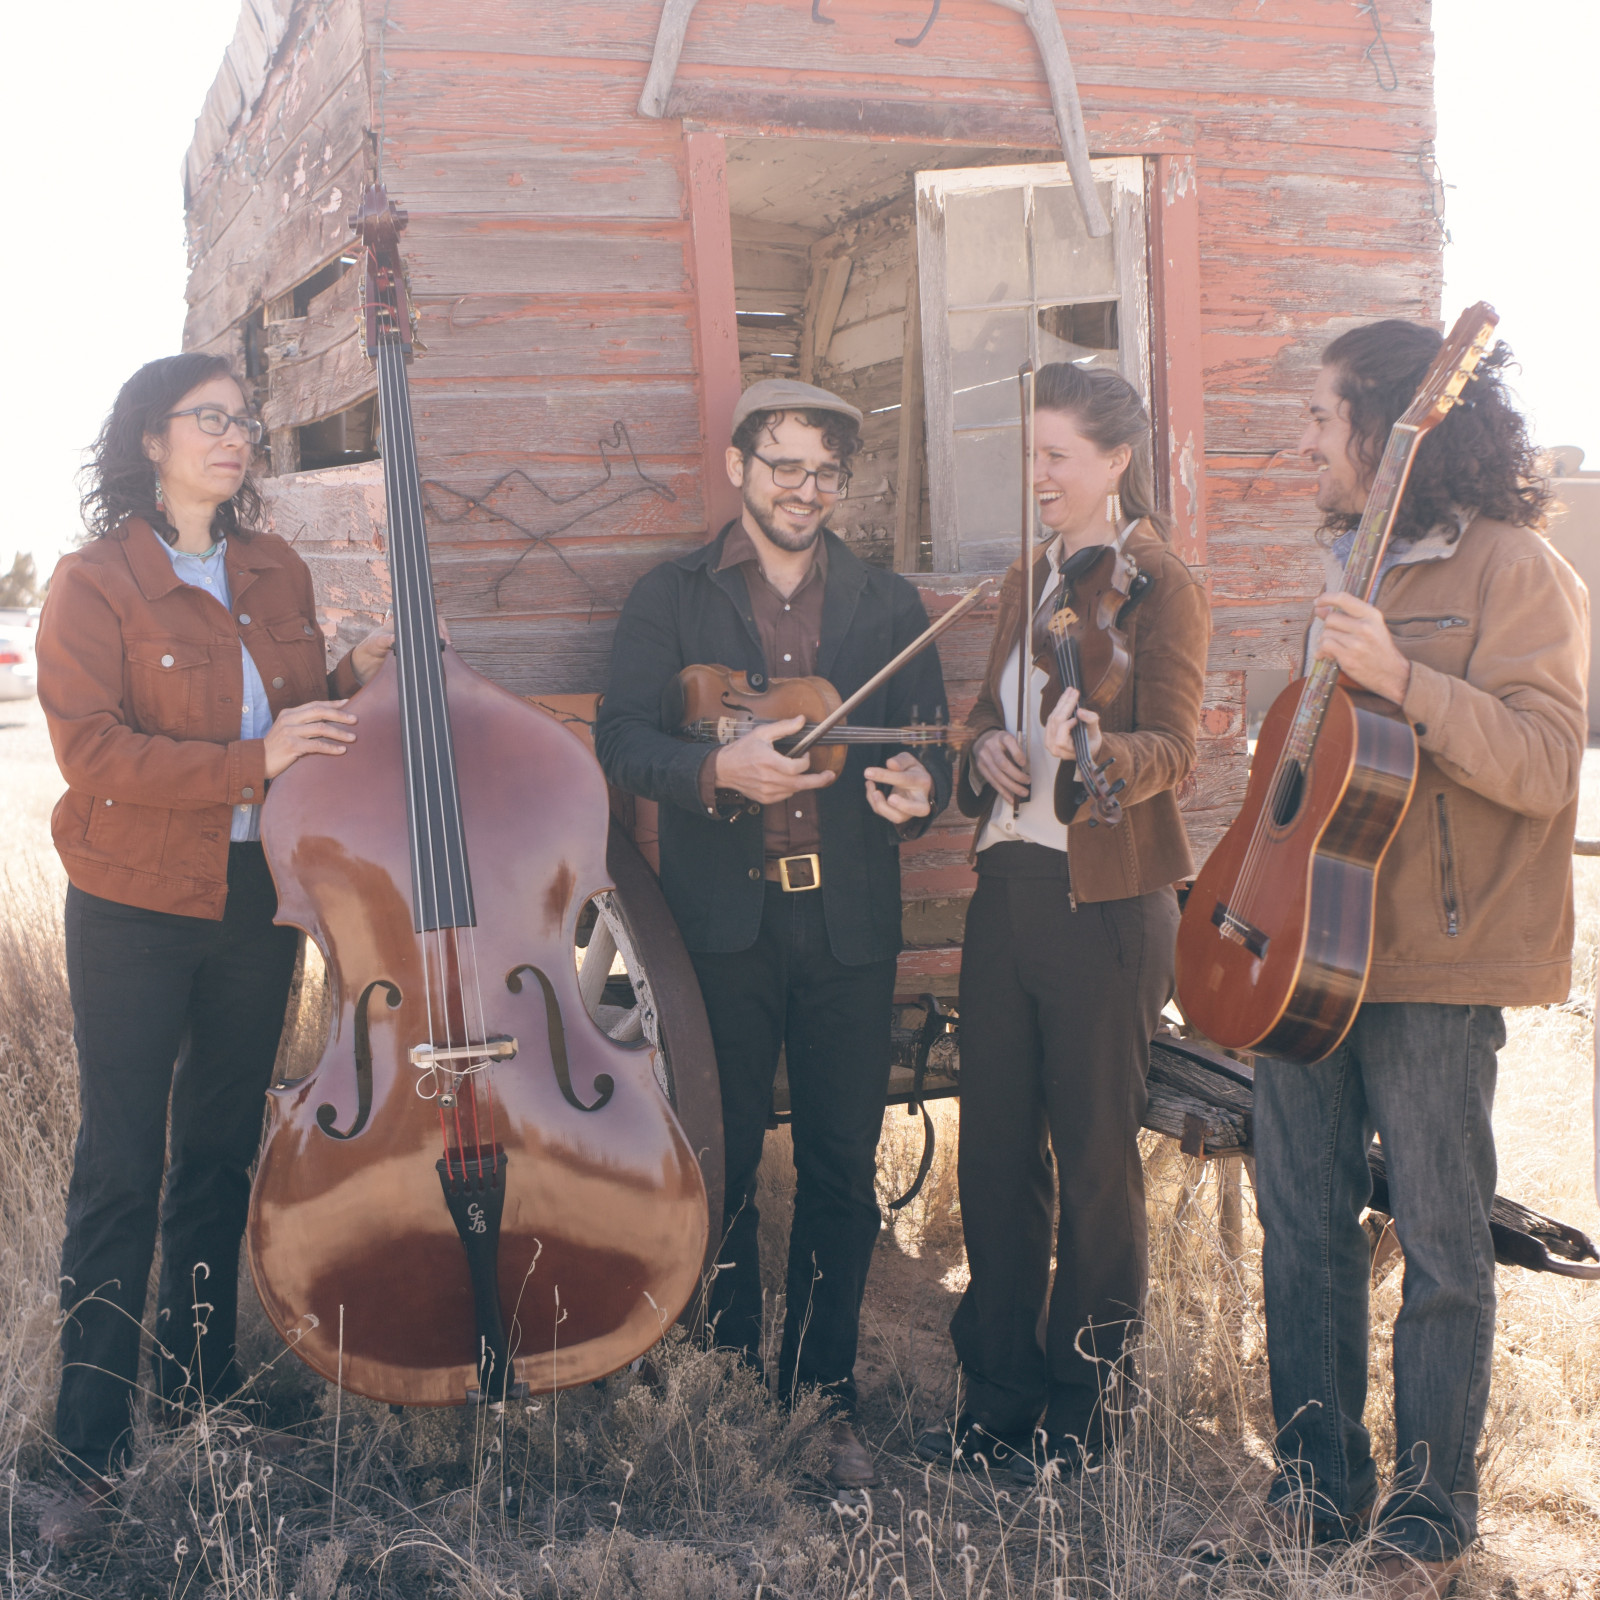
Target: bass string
436 804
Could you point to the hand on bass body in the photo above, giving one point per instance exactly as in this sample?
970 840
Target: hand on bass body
319 727
763 774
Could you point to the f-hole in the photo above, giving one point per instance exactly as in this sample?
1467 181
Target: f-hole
327 1115
604 1084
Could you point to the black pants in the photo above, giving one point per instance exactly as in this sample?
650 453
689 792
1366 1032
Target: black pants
1057 1010
788 991
165 1009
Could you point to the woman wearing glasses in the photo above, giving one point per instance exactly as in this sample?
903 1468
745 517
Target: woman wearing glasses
181 668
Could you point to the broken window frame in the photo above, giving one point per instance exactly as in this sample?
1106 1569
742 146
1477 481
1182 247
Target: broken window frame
1126 177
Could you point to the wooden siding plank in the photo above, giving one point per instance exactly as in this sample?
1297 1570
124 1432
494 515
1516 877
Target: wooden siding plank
510 175
483 337
661 417
1176 349
461 255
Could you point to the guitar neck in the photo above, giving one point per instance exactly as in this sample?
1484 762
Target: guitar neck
1360 576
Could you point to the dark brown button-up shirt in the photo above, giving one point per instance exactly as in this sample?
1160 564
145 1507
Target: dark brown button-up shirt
790 630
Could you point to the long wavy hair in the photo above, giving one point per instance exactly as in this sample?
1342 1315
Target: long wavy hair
1479 459
1107 410
119 479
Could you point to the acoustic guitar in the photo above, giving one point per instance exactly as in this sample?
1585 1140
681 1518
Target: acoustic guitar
1276 937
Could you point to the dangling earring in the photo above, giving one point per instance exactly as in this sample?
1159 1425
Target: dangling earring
161 499
1114 509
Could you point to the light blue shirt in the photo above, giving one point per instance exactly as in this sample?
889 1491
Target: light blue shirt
210 572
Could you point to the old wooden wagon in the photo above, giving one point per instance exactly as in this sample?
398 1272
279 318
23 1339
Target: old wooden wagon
623 210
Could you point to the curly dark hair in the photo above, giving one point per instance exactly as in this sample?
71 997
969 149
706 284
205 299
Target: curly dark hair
119 479
1479 459
1108 411
841 434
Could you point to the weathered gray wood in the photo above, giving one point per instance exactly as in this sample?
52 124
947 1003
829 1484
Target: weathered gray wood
1052 43
835 278
908 459
664 62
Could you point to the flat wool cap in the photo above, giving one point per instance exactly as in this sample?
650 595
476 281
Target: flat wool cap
789 394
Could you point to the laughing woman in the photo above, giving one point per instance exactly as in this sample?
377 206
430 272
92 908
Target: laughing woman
181 669
1068 960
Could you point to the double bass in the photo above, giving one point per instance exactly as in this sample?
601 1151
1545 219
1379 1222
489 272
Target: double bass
476 1192
1276 936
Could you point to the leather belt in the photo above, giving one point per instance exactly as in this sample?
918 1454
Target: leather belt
796 873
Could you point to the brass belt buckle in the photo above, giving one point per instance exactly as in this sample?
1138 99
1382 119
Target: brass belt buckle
796 873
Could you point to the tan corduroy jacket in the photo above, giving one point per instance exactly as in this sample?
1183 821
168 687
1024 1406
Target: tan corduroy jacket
1150 729
1474 902
141 682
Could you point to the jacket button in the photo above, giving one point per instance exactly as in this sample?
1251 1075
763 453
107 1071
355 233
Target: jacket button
110 802
277 683
248 792
1421 727
754 872
166 661
244 619
308 629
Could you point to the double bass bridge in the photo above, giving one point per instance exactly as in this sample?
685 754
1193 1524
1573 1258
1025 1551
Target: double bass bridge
458 1061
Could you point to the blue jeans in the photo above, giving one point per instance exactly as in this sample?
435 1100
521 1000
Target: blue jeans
1422 1077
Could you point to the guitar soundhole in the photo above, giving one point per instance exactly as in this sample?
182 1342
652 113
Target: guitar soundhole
1287 793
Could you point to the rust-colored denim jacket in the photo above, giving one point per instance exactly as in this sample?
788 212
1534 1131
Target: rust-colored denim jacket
141 683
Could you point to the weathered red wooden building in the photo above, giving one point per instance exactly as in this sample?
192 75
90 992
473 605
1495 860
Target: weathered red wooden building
610 234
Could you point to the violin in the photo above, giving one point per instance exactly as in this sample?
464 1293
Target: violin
1083 648
476 1192
715 705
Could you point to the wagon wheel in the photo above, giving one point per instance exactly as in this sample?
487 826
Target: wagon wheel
656 1004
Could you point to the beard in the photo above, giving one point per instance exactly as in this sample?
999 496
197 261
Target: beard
767 523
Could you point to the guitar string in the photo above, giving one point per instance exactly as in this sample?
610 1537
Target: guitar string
1310 710
459 943
438 809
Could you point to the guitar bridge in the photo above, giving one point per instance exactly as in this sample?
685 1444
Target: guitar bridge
1234 927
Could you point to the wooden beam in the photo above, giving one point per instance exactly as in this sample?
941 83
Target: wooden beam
831 280
1052 43
1176 369
716 315
664 59
908 460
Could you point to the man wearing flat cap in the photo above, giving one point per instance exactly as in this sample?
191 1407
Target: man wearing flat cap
786 884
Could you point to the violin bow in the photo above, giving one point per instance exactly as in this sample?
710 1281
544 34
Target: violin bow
915 648
1025 636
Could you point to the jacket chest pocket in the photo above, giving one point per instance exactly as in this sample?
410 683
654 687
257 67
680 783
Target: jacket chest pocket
168 679
300 660
1442 640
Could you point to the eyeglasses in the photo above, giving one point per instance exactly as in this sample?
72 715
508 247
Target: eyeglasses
212 420
791 475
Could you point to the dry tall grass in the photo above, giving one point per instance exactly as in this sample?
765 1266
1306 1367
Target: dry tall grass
680 1479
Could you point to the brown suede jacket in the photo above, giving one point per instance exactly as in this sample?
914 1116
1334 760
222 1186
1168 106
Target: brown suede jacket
1474 901
141 683
1150 729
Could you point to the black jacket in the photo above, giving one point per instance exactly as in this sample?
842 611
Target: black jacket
684 612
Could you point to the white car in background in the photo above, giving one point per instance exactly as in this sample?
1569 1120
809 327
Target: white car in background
19 674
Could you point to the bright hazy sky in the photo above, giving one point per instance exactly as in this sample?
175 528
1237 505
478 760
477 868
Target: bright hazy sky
97 106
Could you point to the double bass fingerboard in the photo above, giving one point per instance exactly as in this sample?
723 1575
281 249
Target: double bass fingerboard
441 881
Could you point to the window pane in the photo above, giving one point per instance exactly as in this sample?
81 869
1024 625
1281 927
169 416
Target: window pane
1083 333
989 497
1067 263
986 348
986 257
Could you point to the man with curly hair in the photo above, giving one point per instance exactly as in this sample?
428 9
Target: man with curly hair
1479 636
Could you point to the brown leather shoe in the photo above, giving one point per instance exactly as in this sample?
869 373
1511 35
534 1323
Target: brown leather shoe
850 1464
73 1516
1405 1578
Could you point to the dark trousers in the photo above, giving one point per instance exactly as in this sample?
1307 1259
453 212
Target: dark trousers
1422 1077
1057 1009
178 1011
788 991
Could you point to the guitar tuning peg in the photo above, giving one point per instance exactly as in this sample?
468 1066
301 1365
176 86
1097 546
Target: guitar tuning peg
1110 761
1119 786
